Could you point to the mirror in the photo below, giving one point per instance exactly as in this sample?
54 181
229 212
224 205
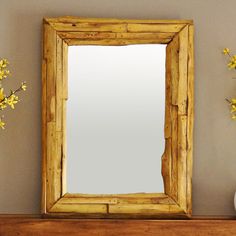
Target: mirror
115 118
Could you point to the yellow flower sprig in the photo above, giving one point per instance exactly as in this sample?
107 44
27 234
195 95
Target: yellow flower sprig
232 104
232 59
8 100
231 65
4 72
11 99
2 123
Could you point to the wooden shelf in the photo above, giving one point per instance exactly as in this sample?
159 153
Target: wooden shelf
30 225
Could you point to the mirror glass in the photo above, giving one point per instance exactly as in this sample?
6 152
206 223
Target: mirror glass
115 119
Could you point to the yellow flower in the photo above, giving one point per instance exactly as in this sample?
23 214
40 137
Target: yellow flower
24 86
232 64
233 58
2 124
8 100
2 96
226 51
233 100
234 117
1 74
3 63
4 74
12 100
3 105
233 108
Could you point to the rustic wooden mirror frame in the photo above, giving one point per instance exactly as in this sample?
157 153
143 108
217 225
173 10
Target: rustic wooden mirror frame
58 34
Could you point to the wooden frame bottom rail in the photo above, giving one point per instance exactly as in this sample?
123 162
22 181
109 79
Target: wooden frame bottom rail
57 227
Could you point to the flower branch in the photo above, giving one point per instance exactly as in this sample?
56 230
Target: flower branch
8 100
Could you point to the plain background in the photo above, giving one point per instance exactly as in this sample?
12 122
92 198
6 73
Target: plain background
115 119
214 172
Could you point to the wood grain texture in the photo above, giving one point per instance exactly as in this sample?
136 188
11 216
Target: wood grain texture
167 155
182 161
27 227
98 27
190 119
59 33
174 64
179 118
182 89
64 97
145 209
53 177
107 35
174 153
161 28
138 198
81 208
116 42
52 77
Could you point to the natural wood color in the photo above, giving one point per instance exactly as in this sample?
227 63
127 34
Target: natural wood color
78 208
174 55
59 33
131 195
86 35
168 93
53 178
107 35
88 200
167 155
50 57
182 163
161 28
138 198
183 72
166 167
59 84
190 118
52 116
64 97
146 200
65 69
174 153
152 35
12 226
98 27
63 151
115 42
75 19
145 209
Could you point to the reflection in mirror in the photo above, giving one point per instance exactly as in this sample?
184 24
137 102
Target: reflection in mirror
115 119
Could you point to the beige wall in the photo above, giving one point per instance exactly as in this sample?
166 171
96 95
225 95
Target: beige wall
214 177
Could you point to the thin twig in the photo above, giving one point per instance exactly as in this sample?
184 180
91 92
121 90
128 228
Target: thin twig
12 92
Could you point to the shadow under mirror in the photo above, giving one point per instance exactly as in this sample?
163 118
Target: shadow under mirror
115 119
